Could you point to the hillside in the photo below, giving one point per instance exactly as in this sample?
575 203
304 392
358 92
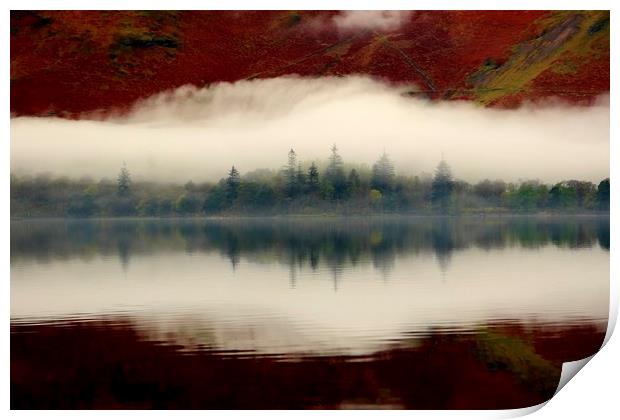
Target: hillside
69 62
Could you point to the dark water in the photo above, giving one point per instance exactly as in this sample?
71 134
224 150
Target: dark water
303 313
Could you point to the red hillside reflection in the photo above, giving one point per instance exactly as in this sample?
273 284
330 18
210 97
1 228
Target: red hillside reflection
108 364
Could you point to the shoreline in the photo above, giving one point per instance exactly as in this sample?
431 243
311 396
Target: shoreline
469 215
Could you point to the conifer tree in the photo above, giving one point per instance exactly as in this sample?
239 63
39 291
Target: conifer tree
334 174
301 179
313 178
290 172
232 184
441 189
383 174
354 182
124 181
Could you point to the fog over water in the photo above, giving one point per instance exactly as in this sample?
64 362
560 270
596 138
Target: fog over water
197 134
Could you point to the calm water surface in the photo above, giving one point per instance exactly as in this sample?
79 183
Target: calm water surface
396 312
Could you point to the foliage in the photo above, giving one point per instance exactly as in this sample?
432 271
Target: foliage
188 204
602 195
528 196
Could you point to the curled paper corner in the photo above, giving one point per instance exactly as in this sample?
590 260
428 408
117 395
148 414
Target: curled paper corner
569 370
521 412
613 313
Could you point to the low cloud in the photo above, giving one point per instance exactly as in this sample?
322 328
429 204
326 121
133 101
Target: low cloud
197 134
379 20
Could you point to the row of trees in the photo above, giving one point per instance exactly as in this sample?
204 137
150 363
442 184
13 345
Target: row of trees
293 189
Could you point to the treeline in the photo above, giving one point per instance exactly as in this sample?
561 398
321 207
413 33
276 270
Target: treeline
295 189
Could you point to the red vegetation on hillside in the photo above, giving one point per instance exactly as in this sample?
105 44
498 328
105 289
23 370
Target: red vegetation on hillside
68 62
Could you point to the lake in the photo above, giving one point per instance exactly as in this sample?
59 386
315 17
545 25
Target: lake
305 312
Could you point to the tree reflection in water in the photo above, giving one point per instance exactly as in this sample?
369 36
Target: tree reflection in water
305 242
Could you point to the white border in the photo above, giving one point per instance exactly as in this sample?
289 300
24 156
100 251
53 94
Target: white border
594 394
309 5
